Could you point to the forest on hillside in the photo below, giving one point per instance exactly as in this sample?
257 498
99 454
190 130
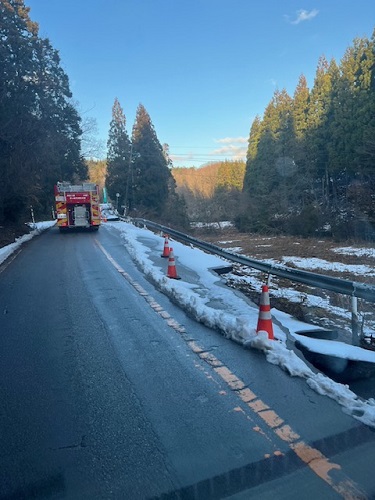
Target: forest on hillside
311 158
212 192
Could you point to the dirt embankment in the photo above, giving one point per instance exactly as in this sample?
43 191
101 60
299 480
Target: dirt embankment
9 233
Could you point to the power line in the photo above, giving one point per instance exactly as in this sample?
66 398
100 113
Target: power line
205 154
191 147
218 160
207 158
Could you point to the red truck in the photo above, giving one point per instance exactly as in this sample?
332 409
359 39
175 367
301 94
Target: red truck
77 205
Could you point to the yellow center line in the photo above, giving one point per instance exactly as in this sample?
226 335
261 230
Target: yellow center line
312 457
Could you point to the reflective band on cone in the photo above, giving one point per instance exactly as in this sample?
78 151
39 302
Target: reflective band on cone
166 247
265 318
171 272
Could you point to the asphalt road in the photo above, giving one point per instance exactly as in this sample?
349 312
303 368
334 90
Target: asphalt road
107 390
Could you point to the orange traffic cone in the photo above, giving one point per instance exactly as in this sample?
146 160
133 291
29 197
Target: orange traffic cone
171 272
166 247
265 318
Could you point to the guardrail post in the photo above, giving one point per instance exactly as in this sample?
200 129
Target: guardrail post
269 280
355 322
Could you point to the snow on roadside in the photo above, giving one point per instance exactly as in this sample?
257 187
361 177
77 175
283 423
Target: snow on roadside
228 314
204 296
37 228
278 354
335 348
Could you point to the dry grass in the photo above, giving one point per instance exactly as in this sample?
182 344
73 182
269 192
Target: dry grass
281 247
278 247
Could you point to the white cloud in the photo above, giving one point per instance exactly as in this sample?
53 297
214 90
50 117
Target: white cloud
303 15
231 152
232 149
230 140
182 157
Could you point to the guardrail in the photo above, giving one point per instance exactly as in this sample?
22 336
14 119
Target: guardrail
353 289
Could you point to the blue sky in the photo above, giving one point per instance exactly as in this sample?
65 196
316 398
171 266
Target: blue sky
203 69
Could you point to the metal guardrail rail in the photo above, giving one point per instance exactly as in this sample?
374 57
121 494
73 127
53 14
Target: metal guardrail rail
351 288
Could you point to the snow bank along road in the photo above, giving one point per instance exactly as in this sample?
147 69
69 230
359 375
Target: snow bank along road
109 390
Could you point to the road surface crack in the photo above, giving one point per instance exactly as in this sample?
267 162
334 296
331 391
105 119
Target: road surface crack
82 444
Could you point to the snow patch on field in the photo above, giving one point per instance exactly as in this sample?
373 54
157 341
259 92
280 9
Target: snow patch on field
314 263
234 249
218 225
360 252
227 242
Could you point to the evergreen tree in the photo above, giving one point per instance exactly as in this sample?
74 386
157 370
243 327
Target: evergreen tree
300 108
267 172
255 134
284 135
366 152
153 181
39 128
352 127
337 140
355 103
119 175
252 150
261 151
318 130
